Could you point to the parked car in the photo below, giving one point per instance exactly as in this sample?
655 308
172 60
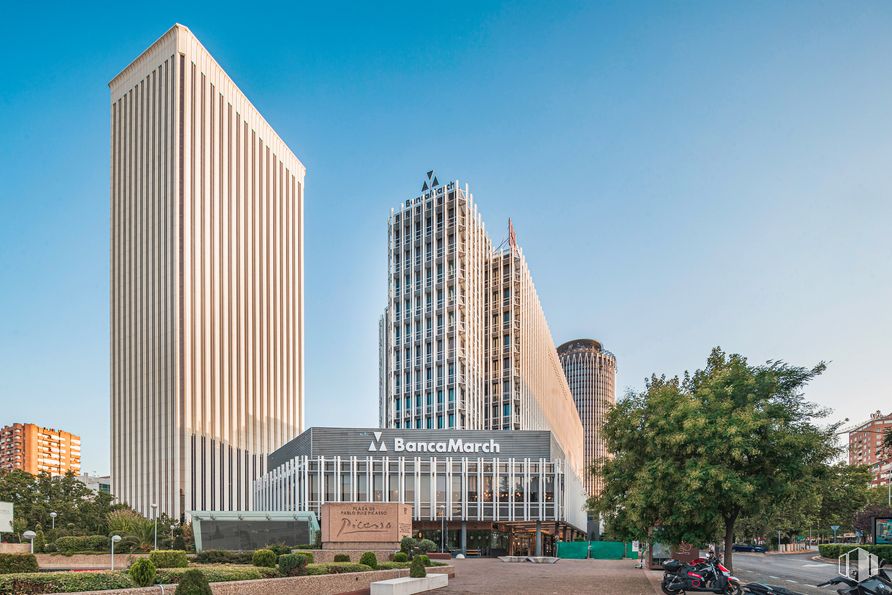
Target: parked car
749 547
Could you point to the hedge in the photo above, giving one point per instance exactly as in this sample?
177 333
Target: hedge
292 565
336 568
82 543
264 558
10 563
218 574
392 565
307 555
169 559
400 557
224 557
342 557
63 582
835 550
369 559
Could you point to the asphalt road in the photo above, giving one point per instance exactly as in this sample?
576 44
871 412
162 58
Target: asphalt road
797 572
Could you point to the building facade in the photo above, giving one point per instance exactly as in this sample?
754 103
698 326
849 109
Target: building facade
591 373
491 492
866 447
35 450
206 296
464 343
97 483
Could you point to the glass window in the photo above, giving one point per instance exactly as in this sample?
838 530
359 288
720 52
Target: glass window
451 420
451 395
440 422
430 422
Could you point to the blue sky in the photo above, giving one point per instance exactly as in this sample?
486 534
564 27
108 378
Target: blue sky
680 174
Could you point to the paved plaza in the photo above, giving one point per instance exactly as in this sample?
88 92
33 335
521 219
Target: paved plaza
605 577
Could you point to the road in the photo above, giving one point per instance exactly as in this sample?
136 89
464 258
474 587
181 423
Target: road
797 572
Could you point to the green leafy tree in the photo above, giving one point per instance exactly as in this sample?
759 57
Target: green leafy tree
695 455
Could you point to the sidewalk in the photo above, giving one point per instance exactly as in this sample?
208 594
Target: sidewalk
606 577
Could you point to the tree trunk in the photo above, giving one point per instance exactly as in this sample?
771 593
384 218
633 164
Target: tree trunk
729 542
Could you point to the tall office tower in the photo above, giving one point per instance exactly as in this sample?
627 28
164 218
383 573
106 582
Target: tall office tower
464 342
206 284
34 449
591 373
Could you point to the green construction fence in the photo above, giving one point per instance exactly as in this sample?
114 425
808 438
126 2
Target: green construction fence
598 550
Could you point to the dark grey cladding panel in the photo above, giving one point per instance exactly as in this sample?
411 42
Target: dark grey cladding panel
346 442
297 447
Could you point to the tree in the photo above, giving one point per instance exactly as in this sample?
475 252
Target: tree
694 455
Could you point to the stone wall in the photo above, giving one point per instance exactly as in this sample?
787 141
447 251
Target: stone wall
328 584
54 561
15 548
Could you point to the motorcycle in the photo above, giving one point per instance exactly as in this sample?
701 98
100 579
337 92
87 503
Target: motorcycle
702 576
879 584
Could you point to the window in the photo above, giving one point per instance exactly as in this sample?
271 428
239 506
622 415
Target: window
430 400
439 422
397 424
430 422
452 395
507 341
506 409
439 396
451 420
418 424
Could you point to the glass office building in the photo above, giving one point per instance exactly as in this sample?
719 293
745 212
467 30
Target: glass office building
485 492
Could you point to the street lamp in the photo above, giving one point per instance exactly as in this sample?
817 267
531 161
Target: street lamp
30 535
155 516
173 528
53 516
115 539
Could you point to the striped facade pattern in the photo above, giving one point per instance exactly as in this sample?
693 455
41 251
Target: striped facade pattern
464 342
206 284
591 374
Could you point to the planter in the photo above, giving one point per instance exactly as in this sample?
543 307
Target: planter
407 586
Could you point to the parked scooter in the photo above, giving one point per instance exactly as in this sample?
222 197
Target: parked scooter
703 576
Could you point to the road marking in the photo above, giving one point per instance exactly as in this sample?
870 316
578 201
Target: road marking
815 565
772 576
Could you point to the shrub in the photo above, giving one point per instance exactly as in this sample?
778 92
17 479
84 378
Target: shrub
142 572
280 549
169 559
342 558
425 560
835 550
50 548
266 558
224 557
218 574
426 545
193 582
407 544
82 543
392 565
308 556
369 559
179 543
292 564
400 557
416 569
63 582
10 563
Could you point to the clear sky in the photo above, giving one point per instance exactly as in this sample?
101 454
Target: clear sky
680 174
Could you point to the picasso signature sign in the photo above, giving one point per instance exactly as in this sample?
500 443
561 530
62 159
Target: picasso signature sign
363 522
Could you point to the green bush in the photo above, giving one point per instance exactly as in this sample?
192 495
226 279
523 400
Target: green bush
308 556
292 565
369 559
407 544
835 550
265 558
336 568
426 545
224 557
169 559
280 549
82 543
392 565
10 563
219 573
424 560
400 557
416 569
342 558
63 582
193 582
142 572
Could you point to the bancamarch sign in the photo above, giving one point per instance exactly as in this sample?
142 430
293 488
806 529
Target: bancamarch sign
444 446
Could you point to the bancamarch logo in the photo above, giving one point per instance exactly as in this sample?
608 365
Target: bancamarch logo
451 445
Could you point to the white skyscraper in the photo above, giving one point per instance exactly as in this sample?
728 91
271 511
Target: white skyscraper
464 342
206 295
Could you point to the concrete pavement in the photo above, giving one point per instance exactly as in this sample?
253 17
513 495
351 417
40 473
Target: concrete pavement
604 577
793 571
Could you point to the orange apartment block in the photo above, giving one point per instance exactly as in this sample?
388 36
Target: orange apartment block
866 447
35 449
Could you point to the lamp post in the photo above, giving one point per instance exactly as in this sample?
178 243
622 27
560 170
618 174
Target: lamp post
53 516
115 539
30 535
172 529
155 516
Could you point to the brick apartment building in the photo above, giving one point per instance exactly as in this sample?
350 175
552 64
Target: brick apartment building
866 447
35 449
